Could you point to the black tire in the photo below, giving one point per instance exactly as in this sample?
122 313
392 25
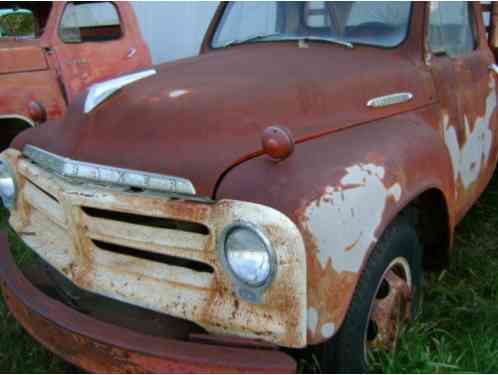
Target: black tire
345 353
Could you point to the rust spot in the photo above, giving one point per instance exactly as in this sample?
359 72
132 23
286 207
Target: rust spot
351 247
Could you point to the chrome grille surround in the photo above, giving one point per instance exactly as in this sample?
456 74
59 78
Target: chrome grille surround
78 170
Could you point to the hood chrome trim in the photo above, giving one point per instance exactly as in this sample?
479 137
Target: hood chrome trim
99 92
392 99
73 169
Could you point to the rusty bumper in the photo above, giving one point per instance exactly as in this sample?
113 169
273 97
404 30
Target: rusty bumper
98 346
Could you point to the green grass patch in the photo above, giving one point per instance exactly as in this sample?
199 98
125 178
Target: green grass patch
19 352
457 330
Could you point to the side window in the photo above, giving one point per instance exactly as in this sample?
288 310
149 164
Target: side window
17 23
90 22
451 28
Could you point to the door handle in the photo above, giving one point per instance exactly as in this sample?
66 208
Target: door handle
132 51
493 68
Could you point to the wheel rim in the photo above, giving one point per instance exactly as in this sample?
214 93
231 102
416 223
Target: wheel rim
390 307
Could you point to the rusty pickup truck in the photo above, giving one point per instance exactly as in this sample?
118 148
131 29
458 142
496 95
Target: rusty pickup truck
52 51
284 190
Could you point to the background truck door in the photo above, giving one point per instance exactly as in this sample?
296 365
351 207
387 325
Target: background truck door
98 41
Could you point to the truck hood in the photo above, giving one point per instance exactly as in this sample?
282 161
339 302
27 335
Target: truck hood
198 117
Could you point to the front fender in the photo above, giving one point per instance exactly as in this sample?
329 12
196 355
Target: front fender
342 190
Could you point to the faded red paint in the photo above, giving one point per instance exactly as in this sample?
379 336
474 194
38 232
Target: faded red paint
49 71
346 154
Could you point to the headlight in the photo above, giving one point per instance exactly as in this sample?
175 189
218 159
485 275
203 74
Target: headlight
8 190
248 255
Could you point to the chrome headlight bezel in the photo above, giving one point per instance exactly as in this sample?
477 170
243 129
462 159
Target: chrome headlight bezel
8 185
252 292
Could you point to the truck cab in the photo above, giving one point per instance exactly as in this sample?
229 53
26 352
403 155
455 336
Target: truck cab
52 51
284 190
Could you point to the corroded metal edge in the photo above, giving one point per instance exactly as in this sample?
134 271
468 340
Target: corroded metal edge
101 347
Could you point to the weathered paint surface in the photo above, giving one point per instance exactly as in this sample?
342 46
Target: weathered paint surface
64 235
469 159
102 347
46 69
341 226
345 218
354 166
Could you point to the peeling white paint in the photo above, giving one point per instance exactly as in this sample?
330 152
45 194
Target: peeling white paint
328 330
312 319
345 218
61 234
177 93
469 160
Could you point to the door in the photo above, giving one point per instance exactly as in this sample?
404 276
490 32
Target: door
97 41
460 60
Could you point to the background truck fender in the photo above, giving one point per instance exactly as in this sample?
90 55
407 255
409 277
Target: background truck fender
343 189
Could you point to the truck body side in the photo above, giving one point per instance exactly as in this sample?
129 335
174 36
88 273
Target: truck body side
43 68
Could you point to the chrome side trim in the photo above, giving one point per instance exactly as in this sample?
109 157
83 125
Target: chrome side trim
99 92
73 169
392 99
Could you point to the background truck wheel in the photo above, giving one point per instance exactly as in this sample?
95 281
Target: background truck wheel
387 295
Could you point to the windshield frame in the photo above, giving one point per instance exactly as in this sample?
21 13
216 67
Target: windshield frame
218 19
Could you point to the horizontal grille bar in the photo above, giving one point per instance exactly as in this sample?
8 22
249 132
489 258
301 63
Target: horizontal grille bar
45 203
149 221
155 257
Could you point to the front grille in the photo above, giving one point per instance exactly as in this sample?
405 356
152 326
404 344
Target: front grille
149 221
154 257
159 252
108 242
46 203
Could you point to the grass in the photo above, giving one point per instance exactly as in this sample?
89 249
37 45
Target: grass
457 330
19 352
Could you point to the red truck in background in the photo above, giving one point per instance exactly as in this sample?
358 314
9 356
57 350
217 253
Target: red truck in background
52 51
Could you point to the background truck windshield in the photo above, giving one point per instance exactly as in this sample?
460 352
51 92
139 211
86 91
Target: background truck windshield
16 23
383 23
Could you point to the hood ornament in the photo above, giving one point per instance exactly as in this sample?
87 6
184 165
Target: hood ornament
99 92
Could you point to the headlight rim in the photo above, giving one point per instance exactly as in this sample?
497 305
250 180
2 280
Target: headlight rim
11 204
249 291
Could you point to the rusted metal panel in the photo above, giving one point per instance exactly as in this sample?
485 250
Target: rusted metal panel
347 207
353 169
50 71
102 347
25 58
299 97
65 235
82 64
18 90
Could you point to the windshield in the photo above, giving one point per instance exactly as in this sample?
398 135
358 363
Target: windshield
376 23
